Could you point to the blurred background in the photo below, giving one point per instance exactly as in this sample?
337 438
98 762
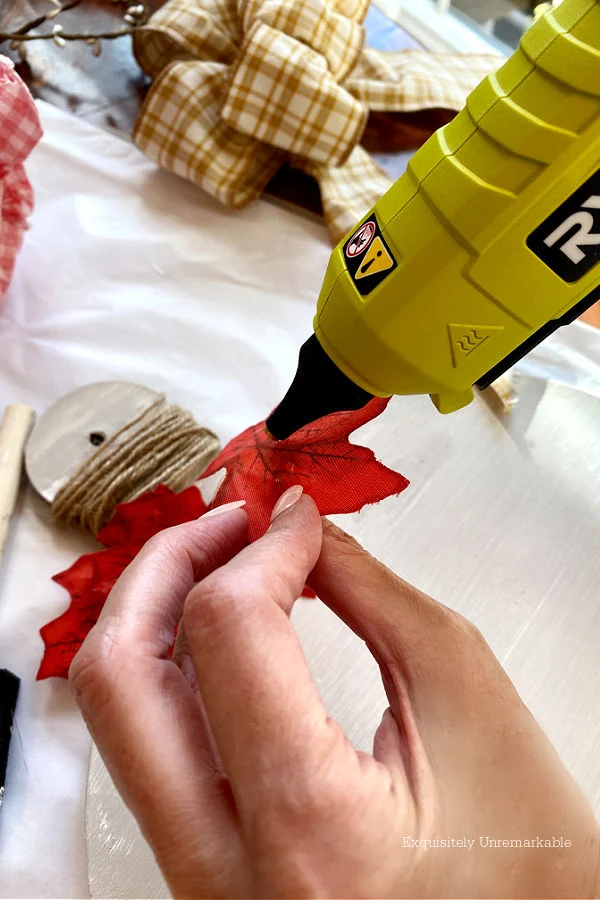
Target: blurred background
466 25
501 21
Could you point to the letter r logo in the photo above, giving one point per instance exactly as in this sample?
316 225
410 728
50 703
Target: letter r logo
569 240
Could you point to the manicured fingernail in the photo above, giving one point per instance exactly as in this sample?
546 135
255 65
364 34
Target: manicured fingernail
225 507
291 496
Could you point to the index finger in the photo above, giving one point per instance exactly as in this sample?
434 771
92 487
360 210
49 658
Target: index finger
267 718
132 694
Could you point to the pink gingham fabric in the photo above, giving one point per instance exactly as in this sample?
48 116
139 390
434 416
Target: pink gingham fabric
20 131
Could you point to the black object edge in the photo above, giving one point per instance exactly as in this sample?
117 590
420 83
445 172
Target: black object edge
9 693
532 342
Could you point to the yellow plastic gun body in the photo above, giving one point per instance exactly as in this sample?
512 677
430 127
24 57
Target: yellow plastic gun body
491 239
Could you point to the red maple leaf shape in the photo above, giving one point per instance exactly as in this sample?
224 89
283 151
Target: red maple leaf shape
91 578
340 477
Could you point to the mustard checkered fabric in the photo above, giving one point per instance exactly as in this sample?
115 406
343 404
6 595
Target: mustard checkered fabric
242 86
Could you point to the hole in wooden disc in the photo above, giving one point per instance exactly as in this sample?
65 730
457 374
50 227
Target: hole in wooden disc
97 438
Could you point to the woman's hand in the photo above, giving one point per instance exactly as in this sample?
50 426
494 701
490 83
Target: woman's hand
243 785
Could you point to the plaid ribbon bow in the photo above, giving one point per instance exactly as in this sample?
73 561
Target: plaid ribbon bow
242 86
20 131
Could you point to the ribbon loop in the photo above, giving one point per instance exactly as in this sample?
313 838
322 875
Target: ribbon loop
283 94
337 37
189 30
242 86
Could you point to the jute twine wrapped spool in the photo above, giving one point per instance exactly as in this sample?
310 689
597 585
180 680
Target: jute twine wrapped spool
163 445
109 443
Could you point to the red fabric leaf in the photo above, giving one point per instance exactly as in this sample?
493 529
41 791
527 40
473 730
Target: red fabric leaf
90 580
340 477
137 521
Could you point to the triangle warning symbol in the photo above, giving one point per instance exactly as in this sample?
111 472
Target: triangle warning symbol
467 339
376 259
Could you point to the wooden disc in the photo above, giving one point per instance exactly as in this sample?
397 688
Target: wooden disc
75 426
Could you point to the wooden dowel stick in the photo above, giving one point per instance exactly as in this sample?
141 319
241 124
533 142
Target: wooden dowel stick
14 431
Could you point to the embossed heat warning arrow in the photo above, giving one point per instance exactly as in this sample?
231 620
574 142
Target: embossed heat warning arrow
467 339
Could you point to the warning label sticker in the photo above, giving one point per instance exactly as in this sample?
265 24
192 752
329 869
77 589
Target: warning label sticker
368 257
361 239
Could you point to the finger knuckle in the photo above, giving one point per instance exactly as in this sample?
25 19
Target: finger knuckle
172 544
467 654
438 618
83 676
167 545
162 542
314 793
416 607
213 603
466 630
299 804
342 539
94 668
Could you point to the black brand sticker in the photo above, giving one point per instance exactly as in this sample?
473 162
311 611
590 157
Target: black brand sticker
368 257
569 240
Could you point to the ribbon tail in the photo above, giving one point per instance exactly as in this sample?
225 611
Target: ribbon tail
348 191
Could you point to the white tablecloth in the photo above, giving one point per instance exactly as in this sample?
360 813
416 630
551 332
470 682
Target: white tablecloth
128 273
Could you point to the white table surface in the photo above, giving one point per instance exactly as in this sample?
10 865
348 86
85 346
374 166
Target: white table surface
131 273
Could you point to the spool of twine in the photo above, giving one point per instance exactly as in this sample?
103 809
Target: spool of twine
162 445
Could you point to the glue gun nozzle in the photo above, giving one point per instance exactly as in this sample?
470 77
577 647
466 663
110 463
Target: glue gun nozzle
318 389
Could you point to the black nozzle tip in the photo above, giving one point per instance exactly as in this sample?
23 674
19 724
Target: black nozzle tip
318 389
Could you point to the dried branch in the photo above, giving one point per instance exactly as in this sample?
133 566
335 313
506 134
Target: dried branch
70 36
35 23
136 15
